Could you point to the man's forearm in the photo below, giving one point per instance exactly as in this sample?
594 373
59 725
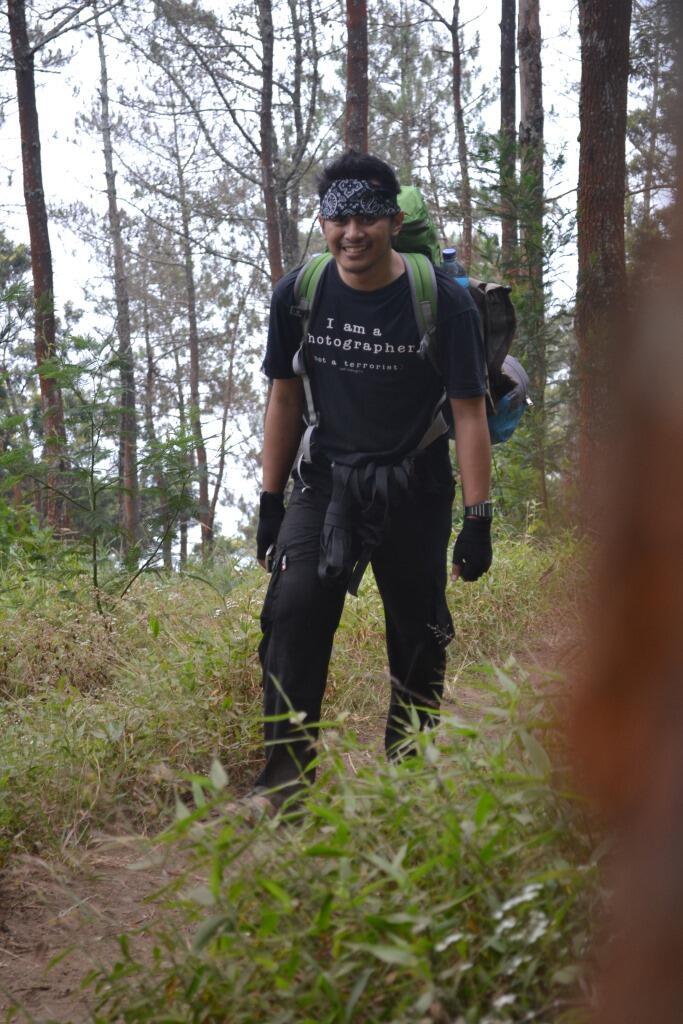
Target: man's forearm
473 448
281 434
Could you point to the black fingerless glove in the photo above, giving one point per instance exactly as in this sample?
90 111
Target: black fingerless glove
271 514
472 550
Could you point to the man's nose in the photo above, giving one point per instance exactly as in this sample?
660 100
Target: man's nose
355 228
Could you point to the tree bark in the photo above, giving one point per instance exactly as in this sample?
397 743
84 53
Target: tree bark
182 416
41 261
356 112
130 506
159 478
228 398
193 338
651 155
463 158
508 138
267 139
604 27
406 58
532 298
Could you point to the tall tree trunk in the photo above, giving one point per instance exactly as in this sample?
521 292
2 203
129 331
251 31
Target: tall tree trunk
531 220
182 416
160 481
228 398
508 137
267 142
651 154
356 112
604 27
41 261
407 84
463 158
286 185
130 506
193 338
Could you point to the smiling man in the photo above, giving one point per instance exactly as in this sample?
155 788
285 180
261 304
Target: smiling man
373 484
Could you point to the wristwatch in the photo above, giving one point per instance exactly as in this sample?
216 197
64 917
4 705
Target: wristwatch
482 510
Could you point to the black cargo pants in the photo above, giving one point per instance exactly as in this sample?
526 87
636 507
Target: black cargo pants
301 613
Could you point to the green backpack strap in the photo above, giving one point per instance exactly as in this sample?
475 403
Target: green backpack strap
306 285
423 293
305 289
422 284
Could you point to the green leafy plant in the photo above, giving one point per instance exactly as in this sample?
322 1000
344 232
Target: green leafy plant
455 885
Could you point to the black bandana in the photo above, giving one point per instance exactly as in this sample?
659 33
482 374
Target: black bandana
349 197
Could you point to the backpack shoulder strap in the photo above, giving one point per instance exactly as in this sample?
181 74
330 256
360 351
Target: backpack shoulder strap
307 281
423 293
422 284
305 290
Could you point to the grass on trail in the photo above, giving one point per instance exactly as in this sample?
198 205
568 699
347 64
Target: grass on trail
103 718
454 887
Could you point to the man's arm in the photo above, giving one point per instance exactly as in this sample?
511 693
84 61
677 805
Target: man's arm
281 436
473 448
282 432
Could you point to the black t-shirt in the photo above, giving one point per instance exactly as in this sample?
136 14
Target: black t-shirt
373 391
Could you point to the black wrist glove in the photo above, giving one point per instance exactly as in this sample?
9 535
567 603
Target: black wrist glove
271 514
472 550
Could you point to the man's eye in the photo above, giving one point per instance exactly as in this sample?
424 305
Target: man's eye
368 221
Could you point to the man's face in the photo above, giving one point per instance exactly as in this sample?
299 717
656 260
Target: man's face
360 244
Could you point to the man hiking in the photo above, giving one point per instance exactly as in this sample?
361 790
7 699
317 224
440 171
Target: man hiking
374 483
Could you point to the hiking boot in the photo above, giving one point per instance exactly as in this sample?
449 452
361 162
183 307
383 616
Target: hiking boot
251 809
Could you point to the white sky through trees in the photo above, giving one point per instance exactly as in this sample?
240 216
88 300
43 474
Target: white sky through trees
73 169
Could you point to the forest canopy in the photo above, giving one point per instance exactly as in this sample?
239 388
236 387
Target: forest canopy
131 401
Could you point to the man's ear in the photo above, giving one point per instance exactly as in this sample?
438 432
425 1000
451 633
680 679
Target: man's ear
321 222
397 222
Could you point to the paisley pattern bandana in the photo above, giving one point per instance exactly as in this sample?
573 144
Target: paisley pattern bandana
350 197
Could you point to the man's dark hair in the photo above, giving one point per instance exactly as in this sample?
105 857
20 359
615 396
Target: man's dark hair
364 167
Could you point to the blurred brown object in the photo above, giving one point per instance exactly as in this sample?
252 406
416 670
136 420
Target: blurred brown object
628 720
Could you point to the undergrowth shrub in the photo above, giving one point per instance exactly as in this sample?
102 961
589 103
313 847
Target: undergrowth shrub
454 887
77 649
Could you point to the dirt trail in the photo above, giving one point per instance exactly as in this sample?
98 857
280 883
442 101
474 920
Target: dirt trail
45 909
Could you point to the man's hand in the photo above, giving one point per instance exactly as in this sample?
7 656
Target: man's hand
271 514
472 552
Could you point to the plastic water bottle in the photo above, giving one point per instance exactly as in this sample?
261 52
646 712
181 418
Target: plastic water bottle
454 268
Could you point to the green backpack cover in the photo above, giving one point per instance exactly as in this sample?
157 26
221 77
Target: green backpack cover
418 233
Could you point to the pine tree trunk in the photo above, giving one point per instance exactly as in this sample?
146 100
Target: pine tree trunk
160 481
183 517
532 300
407 111
130 507
267 138
356 113
651 156
41 262
228 399
193 339
604 26
508 138
463 158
